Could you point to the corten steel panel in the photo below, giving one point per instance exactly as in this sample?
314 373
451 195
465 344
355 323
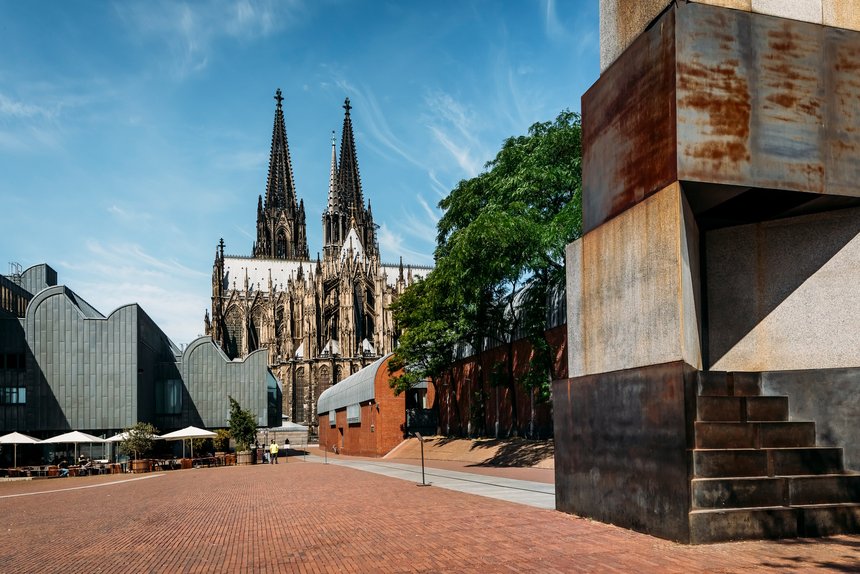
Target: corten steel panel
761 102
623 447
766 102
628 126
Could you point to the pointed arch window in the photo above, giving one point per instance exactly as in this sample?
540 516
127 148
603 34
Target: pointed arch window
233 332
300 396
281 244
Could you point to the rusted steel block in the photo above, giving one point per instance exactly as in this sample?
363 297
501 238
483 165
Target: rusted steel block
709 95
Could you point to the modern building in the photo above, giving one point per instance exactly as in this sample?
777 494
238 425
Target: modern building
361 416
66 366
319 320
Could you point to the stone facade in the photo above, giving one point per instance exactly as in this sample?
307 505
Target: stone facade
319 320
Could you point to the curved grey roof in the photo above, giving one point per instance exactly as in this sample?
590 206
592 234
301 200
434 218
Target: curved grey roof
356 388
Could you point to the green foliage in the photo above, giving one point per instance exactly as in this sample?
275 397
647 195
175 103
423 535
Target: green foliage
499 257
221 440
139 440
243 425
427 343
201 445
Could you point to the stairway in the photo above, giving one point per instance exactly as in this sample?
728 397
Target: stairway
758 475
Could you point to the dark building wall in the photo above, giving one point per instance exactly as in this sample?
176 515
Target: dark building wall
101 374
627 439
78 357
13 297
38 277
14 361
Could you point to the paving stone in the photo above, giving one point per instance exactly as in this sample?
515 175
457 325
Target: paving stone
314 518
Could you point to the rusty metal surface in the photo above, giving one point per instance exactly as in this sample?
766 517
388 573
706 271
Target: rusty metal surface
717 96
628 120
767 102
622 447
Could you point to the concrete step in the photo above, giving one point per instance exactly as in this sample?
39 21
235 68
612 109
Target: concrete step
721 383
736 462
828 519
726 524
775 491
801 461
739 492
824 489
723 525
754 434
741 409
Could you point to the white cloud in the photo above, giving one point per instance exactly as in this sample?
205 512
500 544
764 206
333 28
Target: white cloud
18 109
111 275
243 160
375 123
462 154
393 247
191 29
454 127
554 28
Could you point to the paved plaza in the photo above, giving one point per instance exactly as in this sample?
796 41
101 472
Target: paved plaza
315 517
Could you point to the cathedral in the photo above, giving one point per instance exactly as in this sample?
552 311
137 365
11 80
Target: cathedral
320 320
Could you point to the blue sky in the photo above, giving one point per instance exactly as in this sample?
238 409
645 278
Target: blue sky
134 135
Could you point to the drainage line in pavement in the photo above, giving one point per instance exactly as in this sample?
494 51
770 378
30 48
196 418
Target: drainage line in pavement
461 479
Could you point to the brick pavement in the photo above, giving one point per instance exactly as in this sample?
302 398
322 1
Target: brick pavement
310 517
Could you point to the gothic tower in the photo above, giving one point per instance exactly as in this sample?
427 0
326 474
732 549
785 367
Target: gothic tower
280 222
322 320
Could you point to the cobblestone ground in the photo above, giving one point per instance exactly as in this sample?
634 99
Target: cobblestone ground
310 517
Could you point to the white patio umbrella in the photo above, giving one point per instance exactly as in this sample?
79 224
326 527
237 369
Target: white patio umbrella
191 432
73 437
118 437
17 438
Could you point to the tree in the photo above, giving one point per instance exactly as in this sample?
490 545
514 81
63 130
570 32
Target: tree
425 348
500 256
221 440
243 425
139 440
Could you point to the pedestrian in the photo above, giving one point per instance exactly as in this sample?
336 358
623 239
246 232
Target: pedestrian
286 450
273 452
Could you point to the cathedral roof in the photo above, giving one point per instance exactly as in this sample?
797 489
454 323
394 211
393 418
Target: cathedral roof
352 247
282 271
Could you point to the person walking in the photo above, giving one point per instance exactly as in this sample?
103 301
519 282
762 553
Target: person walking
273 452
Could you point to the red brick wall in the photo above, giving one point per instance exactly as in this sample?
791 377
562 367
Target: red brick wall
457 397
380 428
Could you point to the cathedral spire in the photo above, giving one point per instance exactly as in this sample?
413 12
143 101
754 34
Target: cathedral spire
280 187
332 178
348 177
280 219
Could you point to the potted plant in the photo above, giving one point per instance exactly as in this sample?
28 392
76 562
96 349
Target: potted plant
243 429
137 444
221 444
